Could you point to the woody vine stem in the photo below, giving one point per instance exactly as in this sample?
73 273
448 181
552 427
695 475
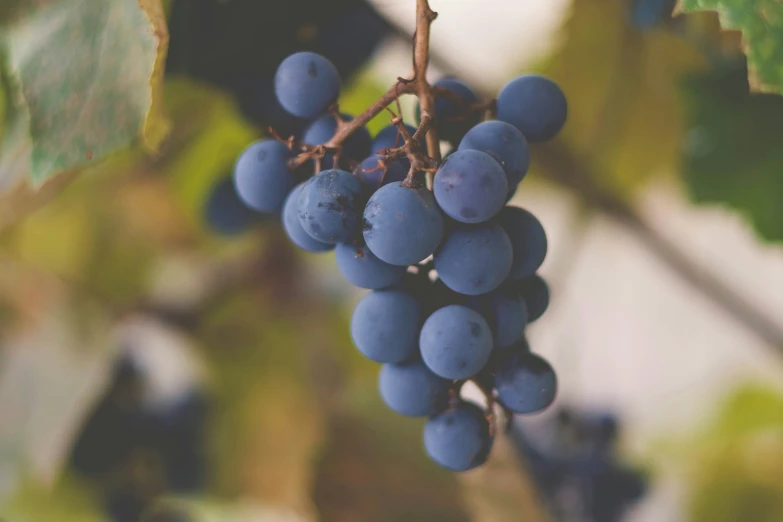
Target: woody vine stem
423 147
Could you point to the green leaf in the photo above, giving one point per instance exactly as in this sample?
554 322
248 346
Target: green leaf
624 112
733 154
761 23
84 79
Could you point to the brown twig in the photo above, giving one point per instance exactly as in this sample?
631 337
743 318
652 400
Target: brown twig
421 57
417 85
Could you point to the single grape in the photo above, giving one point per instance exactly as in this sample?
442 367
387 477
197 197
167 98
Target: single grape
525 383
224 211
306 84
475 259
455 119
528 240
293 228
402 225
355 147
455 342
329 206
505 144
389 138
535 292
506 313
370 174
360 267
385 325
533 104
470 186
458 439
412 389
261 176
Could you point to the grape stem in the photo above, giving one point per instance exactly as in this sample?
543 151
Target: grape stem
416 85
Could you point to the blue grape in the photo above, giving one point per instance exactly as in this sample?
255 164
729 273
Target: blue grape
412 389
329 206
452 118
224 211
525 383
506 313
528 240
388 138
262 177
455 342
646 14
385 325
535 292
293 228
475 259
371 175
360 266
470 186
402 225
533 104
356 147
458 439
306 84
505 144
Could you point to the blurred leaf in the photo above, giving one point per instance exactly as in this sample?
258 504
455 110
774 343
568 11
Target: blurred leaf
737 460
733 154
761 23
55 362
85 78
270 418
70 501
621 83
208 135
220 510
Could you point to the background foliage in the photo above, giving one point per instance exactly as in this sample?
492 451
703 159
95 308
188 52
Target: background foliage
120 119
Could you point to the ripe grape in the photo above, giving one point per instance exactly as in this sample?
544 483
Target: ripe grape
470 186
525 382
355 147
402 225
505 144
533 104
360 267
412 389
450 115
330 205
455 342
293 228
506 313
306 84
528 240
458 439
535 292
262 177
385 325
370 174
474 259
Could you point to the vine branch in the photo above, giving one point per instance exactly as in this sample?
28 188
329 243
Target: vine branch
417 84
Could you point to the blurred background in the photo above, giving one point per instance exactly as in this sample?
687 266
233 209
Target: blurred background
167 355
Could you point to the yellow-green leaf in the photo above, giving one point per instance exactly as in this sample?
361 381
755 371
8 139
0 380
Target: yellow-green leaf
761 23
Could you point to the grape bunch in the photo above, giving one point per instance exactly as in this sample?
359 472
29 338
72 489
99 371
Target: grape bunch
451 268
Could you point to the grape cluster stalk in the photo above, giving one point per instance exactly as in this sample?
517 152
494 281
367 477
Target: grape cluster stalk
450 265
